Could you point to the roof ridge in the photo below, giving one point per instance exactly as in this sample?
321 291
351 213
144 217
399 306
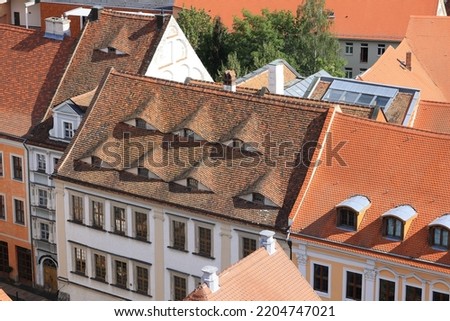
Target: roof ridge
397 127
17 28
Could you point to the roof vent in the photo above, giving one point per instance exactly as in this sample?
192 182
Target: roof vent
57 28
229 80
211 278
267 241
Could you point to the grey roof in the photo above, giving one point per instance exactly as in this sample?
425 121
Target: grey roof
402 212
299 87
444 220
358 203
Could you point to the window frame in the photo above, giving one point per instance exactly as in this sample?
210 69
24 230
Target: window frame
319 290
68 133
200 243
16 171
364 53
355 286
258 198
78 210
173 237
349 72
243 252
432 237
2 168
41 160
79 260
23 211
174 288
411 286
97 217
349 48
192 184
340 217
44 234
381 49
124 264
103 269
119 226
138 279
379 280
3 215
136 224
386 224
439 293
44 199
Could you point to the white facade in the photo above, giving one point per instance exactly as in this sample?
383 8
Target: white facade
25 13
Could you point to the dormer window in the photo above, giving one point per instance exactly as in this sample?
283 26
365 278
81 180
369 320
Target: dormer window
68 130
258 198
142 172
96 161
237 143
187 133
350 212
140 123
112 50
439 231
397 221
192 184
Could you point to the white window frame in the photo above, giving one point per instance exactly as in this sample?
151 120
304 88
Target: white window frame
173 218
197 226
64 129
172 282
381 48
349 48
91 211
74 259
344 284
146 212
83 210
46 198
5 218
349 71
114 271
113 218
135 276
311 277
24 211
432 288
41 231
12 168
39 162
94 273
377 287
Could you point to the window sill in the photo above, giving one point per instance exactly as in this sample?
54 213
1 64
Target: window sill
346 228
99 280
79 274
204 255
120 287
142 293
98 228
177 249
77 222
141 240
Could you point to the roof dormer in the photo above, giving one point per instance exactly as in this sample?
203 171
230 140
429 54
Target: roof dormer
67 117
140 123
439 232
112 50
350 212
143 172
188 134
258 199
397 221
193 185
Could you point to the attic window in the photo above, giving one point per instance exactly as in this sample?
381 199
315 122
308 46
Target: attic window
140 123
351 211
142 172
112 50
192 184
396 221
439 232
96 161
237 143
258 198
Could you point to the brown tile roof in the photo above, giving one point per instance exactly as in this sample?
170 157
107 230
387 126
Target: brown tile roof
31 67
4 296
433 116
391 166
215 115
428 40
259 277
136 35
353 19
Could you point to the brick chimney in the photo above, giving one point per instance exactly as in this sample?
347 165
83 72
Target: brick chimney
267 241
276 78
229 80
408 61
211 278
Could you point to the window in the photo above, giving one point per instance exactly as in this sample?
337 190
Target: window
45 231
348 72
347 218
17 168
142 279
119 220
68 130
2 208
248 246
179 287
387 290
354 286
381 48
4 258
121 273
19 212
143 172
413 293
1 164
363 57
24 264
98 214
258 198
43 197
80 260
365 99
178 235
437 296
41 163
140 222
393 227
439 237
140 123
349 48
236 143
204 241
320 281
100 267
192 184
77 208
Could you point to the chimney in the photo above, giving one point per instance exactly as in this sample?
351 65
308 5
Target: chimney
229 80
276 78
266 240
160 21
57 28
210 277
408 61
95 13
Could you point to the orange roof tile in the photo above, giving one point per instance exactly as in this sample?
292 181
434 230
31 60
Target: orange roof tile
390 165
259 277
354 19
428 40
433 116
4 296
30 68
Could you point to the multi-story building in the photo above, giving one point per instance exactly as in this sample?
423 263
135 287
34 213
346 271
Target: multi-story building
157 47
31 67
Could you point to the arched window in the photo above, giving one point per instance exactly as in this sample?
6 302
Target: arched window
396 220
393 227
439 232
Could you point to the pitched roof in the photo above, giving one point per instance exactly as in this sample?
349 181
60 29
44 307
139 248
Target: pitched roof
31 68
428 40
4 296
388 164
137 36
358 19
214 114
433 116
259 277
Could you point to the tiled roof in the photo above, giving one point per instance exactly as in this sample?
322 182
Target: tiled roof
391 166
354 19
4 296
433 116
259 277
214 114
428 40
135 35
30 68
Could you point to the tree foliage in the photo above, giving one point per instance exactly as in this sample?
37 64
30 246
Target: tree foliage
304 40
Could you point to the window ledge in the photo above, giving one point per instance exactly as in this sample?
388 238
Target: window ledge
204 255
99 280
346 228
177 249
79 274
142 240
439 248
77 222
98 228
120 287
142 293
